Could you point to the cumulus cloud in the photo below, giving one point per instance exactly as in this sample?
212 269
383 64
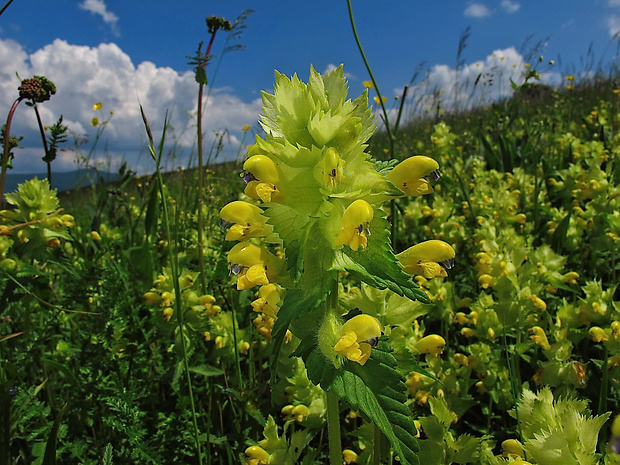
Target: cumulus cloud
98 7
613 25
510 7
474 84
477 10
87 75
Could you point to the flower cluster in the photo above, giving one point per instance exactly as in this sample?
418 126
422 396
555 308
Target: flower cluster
35 223
197 308
314 200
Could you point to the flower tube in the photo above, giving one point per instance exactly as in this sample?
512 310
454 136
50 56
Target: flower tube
429 259
409 175
355 225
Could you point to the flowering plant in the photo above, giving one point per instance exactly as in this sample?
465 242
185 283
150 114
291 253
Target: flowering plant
313 210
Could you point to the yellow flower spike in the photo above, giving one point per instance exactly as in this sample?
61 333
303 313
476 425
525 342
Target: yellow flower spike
247 220
263 177
429 259
355 224
539 337
409 175
349 456
360 334
432 344
512 448
332 168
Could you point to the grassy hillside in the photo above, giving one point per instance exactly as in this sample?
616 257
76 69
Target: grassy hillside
518 342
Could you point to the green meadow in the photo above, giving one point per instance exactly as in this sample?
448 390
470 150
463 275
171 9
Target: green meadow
359 287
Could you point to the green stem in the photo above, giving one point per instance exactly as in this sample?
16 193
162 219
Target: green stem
47 153
6 148
376 454
333 410
333 429
174 270
372 78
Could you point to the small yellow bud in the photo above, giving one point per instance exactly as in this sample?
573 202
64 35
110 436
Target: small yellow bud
432 344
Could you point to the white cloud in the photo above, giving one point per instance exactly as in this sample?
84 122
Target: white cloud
510 7
475 84
613 25
86 75
98 7
613 3
477 10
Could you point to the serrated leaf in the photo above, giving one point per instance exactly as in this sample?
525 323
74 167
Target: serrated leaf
377 266
376 389
296 303
206 370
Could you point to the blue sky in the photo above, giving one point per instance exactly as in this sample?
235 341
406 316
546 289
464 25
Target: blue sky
118 52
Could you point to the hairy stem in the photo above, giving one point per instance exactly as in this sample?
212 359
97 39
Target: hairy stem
6 148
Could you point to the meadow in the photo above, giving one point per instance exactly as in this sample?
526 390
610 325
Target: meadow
440 291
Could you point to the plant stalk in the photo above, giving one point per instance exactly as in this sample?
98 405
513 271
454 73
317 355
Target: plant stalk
201 173
5 152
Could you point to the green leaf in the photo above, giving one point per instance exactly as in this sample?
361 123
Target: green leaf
376 389
293 227
206 370
296 304
377 266
50 449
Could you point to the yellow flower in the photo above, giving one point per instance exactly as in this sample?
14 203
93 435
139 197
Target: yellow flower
97 106
409 175
597 334
268 300
538 302
427 259
256 455
95 236
247 220
570 78
246 128
432 344
262 178
349 456
368 84
383 100
355 225
539 337
253 265
94 122
360 334
332 168
512 448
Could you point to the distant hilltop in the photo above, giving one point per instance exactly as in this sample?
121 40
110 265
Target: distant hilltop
61 181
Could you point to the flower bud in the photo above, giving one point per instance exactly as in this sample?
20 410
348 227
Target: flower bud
432 344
